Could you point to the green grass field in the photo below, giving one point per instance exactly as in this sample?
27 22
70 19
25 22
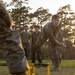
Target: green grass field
67 68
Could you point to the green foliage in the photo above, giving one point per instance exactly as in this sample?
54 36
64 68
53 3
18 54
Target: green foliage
21 16
42 15
19 12
68 64
68 21
67 68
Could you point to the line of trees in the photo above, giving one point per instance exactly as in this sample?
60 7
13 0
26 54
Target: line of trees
20 12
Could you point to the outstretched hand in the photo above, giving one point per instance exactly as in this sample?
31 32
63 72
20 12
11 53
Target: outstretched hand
62 45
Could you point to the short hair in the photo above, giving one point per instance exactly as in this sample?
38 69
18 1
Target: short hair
5 19
25 26
36 26
55 16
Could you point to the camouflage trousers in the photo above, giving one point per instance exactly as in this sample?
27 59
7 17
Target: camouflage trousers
55 55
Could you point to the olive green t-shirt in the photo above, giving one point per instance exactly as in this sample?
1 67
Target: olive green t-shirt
25 36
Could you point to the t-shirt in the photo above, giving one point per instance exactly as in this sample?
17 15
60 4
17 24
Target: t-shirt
25 36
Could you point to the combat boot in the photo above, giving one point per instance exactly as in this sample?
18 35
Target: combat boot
56 69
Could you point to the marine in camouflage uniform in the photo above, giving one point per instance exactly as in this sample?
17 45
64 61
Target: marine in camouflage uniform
51 31
10 43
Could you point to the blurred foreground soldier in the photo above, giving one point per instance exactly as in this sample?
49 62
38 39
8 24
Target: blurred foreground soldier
25 37
51 31
10 42
36 51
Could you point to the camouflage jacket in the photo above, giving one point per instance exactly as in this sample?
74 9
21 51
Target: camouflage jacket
10 40
51 33
15 55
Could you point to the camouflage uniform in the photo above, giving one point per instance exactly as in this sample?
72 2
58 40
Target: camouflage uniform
51 33
34 49
11 45
10 42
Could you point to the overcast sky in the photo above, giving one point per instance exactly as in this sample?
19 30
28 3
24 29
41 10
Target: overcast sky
52 5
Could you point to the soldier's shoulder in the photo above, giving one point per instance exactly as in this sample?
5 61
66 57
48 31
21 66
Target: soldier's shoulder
14 36
14 32
60 30
47 26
